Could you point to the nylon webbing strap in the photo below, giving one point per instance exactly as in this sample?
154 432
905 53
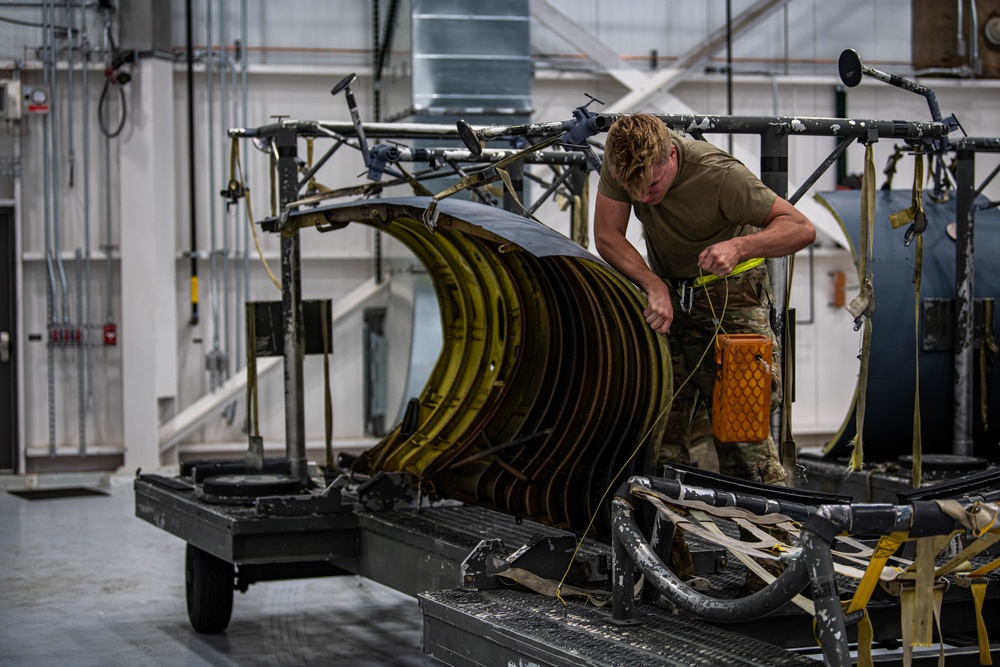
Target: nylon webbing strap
731 543
711 277
974 549
883 551
866 634
863 305
419 188
484 177
551 588
234 163
915 214
886 547
799 600
505 177
923 590
978 597
910 616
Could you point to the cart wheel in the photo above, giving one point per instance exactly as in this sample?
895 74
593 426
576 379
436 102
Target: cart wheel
209 587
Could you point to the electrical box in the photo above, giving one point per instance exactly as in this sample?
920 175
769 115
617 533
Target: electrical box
10 99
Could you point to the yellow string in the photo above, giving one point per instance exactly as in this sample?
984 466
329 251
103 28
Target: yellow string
642 441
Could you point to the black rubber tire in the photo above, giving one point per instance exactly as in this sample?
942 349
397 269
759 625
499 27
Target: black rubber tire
208 582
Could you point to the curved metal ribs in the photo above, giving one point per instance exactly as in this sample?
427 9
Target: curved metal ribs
550 384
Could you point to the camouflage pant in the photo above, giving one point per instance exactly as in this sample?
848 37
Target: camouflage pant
747 310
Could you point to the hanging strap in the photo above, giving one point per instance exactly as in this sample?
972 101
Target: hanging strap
484 176
862 307
915 214
977 585
236 168
978 597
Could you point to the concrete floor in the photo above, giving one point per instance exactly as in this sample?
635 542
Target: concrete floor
83 582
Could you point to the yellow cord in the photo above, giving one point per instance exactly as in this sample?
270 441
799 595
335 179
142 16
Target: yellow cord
642 441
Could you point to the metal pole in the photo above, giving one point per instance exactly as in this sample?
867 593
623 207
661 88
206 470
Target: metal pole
110 315
223 163
192 182
85 132
70 93
774 174
291 300
623 573
56 224
81 381
729 65
964 302
50 295
246 173
213 253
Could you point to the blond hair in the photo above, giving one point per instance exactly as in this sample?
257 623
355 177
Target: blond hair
636 144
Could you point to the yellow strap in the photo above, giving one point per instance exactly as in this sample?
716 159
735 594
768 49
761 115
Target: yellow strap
865 636
906 624
985 569
923 613
886 547
897 220
938 595
867 294
505 177
980 545
711 277
978 597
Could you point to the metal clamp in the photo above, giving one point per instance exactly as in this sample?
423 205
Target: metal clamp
686 291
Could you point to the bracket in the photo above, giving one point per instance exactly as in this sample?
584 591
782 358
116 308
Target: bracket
476 571
385 489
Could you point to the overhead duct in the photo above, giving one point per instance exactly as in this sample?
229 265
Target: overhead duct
471 58
550 386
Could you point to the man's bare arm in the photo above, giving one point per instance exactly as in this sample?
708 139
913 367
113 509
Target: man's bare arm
610 223
785 231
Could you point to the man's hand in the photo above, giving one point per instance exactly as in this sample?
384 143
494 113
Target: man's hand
720 258
659 313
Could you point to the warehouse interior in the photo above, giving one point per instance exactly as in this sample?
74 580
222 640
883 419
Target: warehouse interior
394 201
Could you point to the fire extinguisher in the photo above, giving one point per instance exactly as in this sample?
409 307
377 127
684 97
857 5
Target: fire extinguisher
110 334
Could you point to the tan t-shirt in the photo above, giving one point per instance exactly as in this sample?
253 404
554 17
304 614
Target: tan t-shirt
714 198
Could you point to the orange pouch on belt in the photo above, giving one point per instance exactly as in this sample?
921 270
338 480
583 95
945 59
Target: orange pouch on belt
741 399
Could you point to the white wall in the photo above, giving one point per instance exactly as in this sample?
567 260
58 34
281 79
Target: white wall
332 39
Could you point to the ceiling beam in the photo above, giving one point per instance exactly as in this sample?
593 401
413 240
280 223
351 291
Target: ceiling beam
663 81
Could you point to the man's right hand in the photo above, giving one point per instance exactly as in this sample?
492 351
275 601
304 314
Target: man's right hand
659 313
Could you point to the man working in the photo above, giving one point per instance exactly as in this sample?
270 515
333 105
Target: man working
703 214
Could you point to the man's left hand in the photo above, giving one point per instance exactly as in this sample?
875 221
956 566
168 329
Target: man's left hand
720 258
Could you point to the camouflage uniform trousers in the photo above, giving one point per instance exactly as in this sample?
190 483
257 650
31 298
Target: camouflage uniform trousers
747 310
